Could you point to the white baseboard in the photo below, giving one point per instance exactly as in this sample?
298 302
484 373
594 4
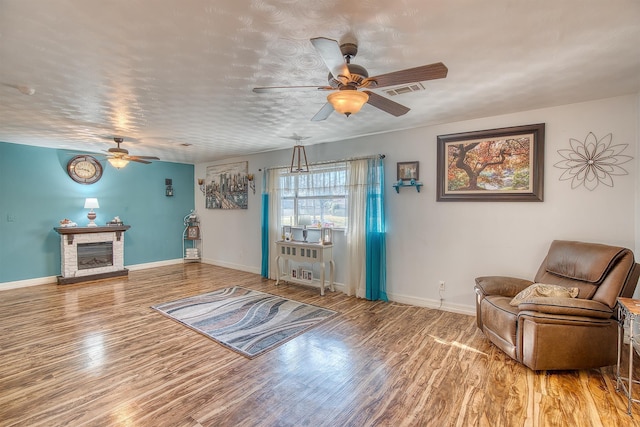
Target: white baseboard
54 279
154 264
432 303
245 268
404 299
29 282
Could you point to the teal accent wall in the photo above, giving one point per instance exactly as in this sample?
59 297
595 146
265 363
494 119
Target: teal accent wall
36 193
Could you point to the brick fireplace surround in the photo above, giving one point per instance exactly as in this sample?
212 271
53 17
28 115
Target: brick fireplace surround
71 237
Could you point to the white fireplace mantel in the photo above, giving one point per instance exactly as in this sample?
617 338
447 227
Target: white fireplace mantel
71 237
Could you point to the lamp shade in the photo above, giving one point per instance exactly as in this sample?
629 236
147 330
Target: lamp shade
118 162
91 203
347 102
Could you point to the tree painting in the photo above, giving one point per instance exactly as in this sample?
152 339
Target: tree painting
497 164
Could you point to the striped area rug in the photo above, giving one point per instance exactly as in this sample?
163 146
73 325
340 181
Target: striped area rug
247 321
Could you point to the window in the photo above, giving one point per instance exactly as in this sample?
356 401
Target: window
315 198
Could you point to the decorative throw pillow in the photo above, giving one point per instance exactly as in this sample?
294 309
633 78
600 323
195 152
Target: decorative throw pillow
544 290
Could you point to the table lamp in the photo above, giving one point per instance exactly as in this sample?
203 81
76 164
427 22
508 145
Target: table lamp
91 203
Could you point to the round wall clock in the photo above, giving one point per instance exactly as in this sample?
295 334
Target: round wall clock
84 169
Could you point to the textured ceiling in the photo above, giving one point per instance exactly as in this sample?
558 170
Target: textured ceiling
164 73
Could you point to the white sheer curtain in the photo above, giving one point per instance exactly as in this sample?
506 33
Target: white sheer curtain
356 228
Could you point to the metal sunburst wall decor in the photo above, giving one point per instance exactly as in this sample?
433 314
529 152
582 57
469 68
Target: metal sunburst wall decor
592 162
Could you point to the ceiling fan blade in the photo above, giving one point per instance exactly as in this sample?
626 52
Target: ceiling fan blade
145 157
324 112
386 104
290 88
412 75
296 137
329 51
136 159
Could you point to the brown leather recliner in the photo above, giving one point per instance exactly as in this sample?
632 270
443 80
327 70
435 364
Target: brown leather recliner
560 332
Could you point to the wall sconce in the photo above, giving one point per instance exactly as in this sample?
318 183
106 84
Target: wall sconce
202 185
169 189
252 182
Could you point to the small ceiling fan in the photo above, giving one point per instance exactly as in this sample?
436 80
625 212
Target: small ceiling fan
119 157
345 79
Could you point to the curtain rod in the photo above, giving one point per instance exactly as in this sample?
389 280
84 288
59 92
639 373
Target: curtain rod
326 162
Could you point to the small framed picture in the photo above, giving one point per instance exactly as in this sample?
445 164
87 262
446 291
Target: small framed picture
193 232
294 273
307 275
408 171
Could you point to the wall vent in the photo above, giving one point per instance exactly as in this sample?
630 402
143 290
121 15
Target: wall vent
413 87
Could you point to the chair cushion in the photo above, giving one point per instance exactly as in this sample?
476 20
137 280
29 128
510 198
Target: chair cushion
589 262
543 290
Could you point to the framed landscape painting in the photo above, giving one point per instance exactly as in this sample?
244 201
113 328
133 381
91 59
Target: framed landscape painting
504 164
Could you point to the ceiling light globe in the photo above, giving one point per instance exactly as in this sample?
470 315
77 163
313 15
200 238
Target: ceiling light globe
347 102
118 162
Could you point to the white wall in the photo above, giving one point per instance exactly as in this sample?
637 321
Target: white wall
429 241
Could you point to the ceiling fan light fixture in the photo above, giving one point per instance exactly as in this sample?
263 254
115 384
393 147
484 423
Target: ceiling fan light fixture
347 102
118 162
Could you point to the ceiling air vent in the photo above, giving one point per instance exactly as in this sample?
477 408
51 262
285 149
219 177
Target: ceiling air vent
413 87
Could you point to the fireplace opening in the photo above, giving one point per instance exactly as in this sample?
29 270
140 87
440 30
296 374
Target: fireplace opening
95 255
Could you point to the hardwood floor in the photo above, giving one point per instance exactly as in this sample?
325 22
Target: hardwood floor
96 354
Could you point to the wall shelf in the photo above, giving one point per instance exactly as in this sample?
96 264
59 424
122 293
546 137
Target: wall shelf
400 184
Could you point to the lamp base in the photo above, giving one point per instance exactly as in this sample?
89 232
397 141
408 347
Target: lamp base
92 216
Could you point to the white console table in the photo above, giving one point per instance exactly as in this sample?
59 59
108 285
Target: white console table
304 252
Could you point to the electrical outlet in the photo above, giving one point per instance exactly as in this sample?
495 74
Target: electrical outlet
442 288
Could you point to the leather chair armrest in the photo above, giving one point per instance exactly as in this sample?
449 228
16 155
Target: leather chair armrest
567 307
501 285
